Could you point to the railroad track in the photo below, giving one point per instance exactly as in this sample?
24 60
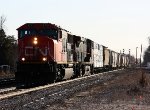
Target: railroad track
38 97
7 90
7 82
7 85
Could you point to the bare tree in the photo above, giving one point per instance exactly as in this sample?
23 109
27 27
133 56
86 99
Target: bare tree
2 21
149 40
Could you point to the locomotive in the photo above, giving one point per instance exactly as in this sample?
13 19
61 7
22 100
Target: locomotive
49 53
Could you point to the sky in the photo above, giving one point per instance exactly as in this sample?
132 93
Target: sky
116 24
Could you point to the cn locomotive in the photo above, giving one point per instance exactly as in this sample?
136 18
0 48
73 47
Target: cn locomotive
49 53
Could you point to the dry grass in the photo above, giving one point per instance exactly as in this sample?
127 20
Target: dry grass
143 80
6 75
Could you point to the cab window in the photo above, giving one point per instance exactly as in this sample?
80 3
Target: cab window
52 33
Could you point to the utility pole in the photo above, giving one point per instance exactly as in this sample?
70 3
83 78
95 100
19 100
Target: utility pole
129 57
136 56
140 55
123 59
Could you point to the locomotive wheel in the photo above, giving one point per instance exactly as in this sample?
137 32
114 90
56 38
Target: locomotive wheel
19 80
46 77
59 76
92 69
52 77
82 70
76 71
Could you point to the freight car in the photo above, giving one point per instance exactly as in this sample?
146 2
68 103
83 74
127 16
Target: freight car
48 53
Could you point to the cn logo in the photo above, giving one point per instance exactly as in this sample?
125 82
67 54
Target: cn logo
31 51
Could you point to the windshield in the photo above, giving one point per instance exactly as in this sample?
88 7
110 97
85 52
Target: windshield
53 33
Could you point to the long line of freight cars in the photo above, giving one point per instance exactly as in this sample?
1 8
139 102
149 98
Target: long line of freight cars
48 53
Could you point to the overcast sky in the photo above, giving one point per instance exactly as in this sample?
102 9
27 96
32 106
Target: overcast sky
117 24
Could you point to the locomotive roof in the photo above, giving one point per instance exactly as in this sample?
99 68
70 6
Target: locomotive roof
38 26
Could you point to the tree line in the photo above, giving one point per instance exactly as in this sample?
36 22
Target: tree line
146 57
8 46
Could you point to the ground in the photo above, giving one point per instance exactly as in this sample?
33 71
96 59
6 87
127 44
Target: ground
129 91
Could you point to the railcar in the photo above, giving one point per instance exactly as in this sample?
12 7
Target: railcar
48 53
114 59
124 60
98 57
119 60
106 58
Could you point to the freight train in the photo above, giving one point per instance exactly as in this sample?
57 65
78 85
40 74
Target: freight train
49 53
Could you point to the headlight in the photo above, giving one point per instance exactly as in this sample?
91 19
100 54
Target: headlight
35 41
35 38
44 59
23 59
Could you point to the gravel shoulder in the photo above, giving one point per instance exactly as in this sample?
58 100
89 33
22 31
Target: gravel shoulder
128 91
